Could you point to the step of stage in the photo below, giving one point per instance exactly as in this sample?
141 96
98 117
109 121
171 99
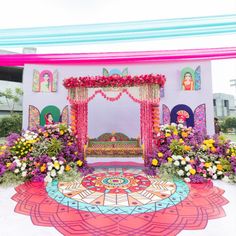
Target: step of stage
138 160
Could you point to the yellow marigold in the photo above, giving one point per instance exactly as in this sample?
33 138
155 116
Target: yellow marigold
175 132
79 163
160 154
8 164
43 168
192 171
187 148
184 134
213 149
208 164
154 162
68 168
168 135
46 134
219 167
61 132
170 159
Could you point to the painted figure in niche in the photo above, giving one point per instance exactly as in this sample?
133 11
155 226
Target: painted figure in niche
191 80
45 81
188 82
49 119
182 117
116 73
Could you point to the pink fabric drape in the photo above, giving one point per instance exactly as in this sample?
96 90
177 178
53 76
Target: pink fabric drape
118 57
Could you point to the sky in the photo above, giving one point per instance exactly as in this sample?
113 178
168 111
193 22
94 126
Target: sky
39 13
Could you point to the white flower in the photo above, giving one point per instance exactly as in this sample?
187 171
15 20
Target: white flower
24 173
187 180
180 126
15 157
187 167
48 179
176 163
180 172
226 179
173 124
60 162
188 174
204 175
22 168
18 163
219 172
214 176
183 162
187 159
214 169
62 168
16 171
53 158
179 157
50 167
53 173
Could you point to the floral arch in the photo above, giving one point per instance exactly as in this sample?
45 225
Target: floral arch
143 89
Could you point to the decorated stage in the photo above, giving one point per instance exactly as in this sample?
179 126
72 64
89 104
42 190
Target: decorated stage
120 201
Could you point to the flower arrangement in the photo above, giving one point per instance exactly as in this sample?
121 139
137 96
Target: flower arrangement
114 81
42 154
186 153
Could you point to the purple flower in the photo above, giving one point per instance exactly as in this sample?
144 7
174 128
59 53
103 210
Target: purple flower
197 178
2 169
12 138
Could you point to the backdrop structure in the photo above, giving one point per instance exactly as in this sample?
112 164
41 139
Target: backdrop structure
186 97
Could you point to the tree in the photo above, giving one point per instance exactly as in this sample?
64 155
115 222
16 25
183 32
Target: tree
12 97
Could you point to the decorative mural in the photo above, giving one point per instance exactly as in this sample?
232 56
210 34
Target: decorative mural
165 114
65 115
191 79
182 114
45 81
34 117
200 118
114 71
49 115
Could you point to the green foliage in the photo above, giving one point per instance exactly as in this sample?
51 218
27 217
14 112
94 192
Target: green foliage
54 147
69 176
40 148
10 124
226 164
228 123
11 179
12 97
167 172
176 147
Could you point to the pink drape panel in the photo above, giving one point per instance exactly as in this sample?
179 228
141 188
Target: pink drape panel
118 57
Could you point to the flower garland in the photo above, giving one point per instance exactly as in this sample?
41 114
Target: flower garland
114 81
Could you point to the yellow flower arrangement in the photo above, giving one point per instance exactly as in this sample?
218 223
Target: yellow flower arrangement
67 168
208 164
56 165
192 171
154 162
79 163
43 168
187 148
160 154
184 134
219 167
170 159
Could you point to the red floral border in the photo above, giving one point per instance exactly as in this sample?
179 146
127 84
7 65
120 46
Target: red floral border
114 81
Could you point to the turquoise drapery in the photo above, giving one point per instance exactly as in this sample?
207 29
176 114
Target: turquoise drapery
115 32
